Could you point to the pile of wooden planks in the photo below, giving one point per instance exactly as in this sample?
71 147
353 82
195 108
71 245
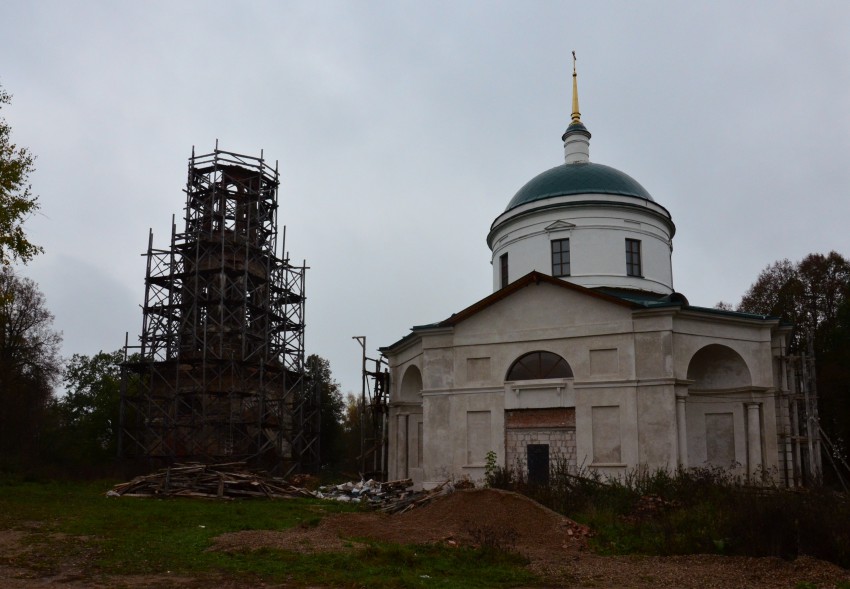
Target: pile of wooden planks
235 481
208 481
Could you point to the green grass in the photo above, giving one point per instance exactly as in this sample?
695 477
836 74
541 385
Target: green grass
75 522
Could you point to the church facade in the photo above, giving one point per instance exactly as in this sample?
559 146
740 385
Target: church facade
584 355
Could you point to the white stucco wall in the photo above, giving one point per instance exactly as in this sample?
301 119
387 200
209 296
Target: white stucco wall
597 235
628 367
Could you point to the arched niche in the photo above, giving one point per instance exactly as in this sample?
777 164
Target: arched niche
539 365
411 386
539 406
718 367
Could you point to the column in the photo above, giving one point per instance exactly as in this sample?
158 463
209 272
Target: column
401 447
753 440
681 429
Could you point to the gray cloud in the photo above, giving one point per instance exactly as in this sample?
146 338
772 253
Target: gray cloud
402 129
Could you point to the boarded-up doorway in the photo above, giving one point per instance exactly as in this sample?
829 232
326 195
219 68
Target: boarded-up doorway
538 464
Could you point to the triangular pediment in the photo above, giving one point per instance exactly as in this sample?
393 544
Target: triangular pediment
531 278
517 292
559 225
551 307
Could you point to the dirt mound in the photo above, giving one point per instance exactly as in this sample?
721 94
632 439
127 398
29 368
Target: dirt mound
552 543
467 517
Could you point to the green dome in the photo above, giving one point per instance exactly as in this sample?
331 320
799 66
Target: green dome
578 178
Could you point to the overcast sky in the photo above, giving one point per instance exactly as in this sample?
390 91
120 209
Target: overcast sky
402 129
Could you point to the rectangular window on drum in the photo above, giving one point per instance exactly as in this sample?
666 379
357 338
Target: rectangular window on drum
633 264
503 270
560 257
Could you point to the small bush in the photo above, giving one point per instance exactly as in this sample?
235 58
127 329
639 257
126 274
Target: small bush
493 538
695 510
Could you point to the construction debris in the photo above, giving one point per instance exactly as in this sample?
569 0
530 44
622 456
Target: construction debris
419 499
234 481
389 497
208 481
373 493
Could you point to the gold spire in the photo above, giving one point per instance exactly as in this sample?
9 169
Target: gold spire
576 116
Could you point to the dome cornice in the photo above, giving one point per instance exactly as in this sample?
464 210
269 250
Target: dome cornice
654 209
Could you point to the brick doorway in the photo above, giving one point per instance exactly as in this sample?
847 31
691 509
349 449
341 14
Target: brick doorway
553 428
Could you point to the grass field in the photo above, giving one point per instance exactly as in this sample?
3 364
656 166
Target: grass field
109 537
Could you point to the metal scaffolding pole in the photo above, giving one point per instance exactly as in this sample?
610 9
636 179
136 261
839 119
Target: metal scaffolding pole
374 409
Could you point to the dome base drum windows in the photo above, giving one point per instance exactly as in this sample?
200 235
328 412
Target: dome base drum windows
503 270
633 264
560 257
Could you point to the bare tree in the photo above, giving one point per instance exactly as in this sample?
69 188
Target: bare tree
29 365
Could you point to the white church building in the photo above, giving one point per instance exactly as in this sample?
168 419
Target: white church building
584 353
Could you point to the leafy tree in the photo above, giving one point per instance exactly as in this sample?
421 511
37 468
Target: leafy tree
807 294
825 284
833 371
351 419
88 414
29 365
814 295
777 291
318 374
351 427
17 202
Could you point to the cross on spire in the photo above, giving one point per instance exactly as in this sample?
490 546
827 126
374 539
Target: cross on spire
576 115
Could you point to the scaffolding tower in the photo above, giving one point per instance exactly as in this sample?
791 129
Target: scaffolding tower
218 374
800 434
374 413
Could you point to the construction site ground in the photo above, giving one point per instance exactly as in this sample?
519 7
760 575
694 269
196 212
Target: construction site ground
555 547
